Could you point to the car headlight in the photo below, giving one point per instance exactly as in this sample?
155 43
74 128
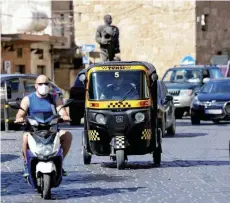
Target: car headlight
227 108
100 118
186 92
44 150
197 102
139 117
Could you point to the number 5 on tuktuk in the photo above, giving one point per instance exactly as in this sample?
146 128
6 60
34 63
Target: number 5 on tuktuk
120 111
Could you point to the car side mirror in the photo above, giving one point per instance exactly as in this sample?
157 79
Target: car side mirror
196 92
205 80
168 98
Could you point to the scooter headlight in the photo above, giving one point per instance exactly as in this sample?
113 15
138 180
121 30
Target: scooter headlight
44 150
100 118
139 117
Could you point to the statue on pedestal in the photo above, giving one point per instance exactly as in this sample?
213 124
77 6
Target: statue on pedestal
107 36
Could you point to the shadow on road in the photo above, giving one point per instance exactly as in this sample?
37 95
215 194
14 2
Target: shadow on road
187 122
193 163
90 192
7 139
75 177
8 157
186 135
13 183
168 164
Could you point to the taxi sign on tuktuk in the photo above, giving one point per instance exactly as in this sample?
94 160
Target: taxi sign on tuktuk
121 111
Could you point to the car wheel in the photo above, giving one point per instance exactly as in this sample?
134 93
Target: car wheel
195 120
172 129
179 114
162 126
217 121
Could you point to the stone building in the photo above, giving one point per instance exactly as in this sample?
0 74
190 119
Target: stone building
26 37
160 32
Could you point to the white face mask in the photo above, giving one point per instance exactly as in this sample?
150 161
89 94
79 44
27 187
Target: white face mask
43 89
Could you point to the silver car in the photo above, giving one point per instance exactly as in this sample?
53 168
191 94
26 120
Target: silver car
182 83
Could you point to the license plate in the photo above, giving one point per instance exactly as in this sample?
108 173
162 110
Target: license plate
213 111
119 119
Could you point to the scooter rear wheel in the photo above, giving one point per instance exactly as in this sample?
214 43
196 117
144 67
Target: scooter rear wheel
46 187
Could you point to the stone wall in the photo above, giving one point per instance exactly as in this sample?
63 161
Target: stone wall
216 37
160 32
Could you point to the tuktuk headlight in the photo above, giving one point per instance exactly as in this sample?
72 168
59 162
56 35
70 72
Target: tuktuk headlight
44 150
227 108
100 118
139 117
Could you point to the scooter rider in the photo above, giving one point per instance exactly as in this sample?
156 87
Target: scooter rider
41 101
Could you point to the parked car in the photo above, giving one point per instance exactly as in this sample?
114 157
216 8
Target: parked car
210 101
183 81
20 86
165 101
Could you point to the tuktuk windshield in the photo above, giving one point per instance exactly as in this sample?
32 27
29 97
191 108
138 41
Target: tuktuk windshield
114 85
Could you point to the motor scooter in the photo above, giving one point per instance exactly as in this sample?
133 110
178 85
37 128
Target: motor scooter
45 155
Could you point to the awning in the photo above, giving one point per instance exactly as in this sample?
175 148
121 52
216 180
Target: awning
33 38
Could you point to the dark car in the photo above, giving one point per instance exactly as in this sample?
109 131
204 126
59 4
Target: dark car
77 92
183 81
20 86
165 101
210 101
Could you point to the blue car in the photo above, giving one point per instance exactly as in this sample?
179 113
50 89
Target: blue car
210 102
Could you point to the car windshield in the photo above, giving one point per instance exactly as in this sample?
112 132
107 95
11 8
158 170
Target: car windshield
183 75
217 87
216 73
115 84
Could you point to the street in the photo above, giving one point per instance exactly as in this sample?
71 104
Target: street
195 168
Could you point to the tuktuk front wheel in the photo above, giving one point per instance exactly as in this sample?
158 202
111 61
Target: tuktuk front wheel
120 158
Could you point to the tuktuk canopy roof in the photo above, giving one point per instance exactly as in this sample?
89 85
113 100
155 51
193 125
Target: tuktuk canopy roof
147 65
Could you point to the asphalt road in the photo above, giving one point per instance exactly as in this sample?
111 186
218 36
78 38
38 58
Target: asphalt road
195 168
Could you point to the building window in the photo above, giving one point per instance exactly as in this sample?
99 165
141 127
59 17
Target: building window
19 52
40 70
20 68
40 53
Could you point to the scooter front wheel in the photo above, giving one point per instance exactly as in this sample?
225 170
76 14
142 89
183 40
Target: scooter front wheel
46 187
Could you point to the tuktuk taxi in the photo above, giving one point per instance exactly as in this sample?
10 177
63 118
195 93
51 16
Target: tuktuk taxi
121 111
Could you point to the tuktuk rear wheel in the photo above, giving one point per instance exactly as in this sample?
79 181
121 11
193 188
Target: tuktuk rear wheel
157 156
46 187
120 158
86 157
